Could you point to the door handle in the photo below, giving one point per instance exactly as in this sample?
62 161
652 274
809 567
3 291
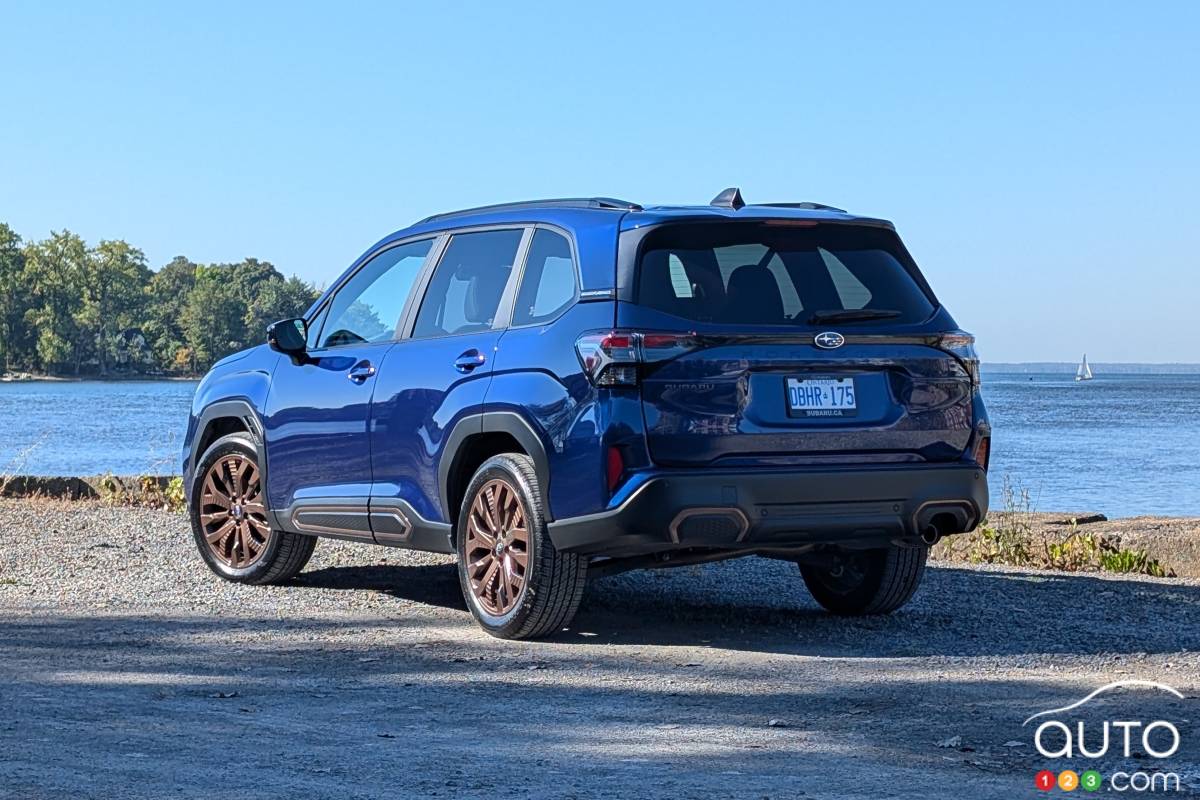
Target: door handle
361 371
469 360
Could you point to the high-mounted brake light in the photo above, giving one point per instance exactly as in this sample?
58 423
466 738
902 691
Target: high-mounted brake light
961 345
611 358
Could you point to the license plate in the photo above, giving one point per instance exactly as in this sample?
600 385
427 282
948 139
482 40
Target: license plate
821 397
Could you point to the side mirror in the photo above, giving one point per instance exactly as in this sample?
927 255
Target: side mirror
288 336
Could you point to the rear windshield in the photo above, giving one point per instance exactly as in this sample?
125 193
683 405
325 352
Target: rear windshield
768 274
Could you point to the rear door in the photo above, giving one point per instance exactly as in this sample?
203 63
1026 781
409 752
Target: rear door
436 375
813 343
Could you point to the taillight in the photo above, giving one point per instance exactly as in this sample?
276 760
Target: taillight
612 358
983 451
961 345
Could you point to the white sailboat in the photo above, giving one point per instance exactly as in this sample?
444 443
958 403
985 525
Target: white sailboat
1084 373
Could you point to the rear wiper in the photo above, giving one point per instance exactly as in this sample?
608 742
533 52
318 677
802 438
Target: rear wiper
852 315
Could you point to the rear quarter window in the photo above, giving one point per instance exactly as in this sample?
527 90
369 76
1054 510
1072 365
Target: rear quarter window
764 274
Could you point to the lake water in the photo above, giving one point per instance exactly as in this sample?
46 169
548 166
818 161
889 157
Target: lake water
93 427
1121 444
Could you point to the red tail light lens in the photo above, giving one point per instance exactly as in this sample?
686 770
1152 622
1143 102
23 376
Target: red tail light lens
615 468
612 358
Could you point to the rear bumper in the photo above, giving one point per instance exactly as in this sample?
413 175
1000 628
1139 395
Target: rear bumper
759 509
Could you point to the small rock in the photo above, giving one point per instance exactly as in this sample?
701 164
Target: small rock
223 695
953 741
776 723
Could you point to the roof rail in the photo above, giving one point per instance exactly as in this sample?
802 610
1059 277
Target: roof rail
806 205
559 202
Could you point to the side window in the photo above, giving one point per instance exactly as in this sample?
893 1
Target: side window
548 284
367 308
465 291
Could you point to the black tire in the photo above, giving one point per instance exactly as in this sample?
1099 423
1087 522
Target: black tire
865 582
553 582
282 555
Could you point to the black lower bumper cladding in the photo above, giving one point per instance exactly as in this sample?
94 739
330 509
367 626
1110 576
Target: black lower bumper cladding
781 509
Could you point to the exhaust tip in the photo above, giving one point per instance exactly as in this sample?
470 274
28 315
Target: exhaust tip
931 535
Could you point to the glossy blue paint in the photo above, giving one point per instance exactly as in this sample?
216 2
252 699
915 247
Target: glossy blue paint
315 422
419 397
243 376
538 376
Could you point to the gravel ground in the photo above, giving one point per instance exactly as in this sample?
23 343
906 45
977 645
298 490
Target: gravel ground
127 670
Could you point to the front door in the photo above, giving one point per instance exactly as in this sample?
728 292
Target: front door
432 379
317 411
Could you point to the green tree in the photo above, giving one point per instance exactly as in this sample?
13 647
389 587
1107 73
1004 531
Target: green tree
64 307
166 298
15 342
212 317
54 272
276 299
113 298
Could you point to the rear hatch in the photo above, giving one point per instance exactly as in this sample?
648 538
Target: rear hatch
779 343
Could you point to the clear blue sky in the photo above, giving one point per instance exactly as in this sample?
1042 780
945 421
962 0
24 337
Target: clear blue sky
1041 160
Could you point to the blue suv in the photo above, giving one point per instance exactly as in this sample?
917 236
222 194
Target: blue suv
563 389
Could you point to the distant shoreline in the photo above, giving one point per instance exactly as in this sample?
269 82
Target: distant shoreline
1099 368
28 377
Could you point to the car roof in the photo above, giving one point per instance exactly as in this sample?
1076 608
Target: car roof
572 212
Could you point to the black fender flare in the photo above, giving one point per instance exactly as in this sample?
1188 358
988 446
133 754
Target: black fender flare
509 422
221 409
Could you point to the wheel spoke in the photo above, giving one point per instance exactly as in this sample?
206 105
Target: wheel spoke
511 578
214 536
476 530
488 574
211 495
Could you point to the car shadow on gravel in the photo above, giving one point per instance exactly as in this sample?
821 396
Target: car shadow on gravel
430 584
956 612
761 605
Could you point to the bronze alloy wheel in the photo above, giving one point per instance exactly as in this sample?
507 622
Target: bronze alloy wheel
232 514
497 547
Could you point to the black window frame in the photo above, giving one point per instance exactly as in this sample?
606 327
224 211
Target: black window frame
507 297
320 313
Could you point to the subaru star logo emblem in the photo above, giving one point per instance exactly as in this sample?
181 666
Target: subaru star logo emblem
829 340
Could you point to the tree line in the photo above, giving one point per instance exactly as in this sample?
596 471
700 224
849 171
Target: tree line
68 308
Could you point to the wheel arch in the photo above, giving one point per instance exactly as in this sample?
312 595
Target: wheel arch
478 437
220 419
